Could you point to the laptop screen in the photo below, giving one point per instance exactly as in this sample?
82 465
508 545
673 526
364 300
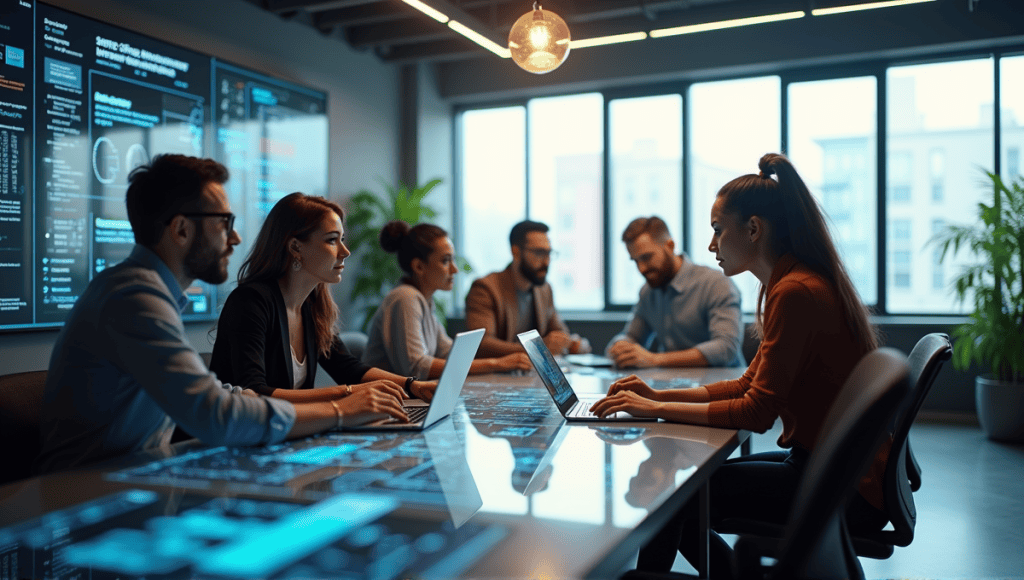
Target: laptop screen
546 367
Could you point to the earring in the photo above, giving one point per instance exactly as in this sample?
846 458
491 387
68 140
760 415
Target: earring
296 265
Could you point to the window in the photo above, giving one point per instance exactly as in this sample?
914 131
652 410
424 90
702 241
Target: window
493 183
832 144
1011 99
937 173
645 178
732 124
544 159
900 170
938 273
566 148
940 109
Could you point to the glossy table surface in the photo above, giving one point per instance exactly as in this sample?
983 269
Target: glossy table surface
504 487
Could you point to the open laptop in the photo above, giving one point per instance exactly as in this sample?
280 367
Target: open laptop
449 386
572 407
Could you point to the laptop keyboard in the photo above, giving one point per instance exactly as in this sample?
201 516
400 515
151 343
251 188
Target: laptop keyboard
580 410
416 414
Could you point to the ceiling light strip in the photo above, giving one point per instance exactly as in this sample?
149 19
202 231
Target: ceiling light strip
480 39
692 28
603 40
429 11
867 6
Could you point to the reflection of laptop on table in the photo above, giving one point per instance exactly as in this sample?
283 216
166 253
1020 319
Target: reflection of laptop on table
572 407
456 480
445 397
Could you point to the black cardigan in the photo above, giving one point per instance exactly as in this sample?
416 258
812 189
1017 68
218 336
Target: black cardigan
253 350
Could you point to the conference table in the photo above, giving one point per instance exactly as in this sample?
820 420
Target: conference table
504 487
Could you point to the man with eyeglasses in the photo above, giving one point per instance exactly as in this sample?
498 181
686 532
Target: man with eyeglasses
519 298
122 372
687 316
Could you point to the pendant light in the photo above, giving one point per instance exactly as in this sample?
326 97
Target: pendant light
539 40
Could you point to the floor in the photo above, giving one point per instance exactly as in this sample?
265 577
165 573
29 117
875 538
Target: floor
970 520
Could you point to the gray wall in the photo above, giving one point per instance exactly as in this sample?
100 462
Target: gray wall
363 102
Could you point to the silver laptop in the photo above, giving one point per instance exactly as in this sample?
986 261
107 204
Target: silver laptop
572 406
422 415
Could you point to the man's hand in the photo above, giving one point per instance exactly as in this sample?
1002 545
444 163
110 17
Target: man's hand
423 389
558 342
578 345
629 354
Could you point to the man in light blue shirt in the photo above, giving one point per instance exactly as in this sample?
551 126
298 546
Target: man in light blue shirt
687 316
122 372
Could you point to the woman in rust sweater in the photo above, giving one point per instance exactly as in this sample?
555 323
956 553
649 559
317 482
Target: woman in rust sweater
813 329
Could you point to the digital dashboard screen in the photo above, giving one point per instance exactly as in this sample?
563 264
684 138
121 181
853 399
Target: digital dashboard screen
82 103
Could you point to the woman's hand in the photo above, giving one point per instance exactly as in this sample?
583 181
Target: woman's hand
635 384
626 401
423 389
370 404
517 361
383 385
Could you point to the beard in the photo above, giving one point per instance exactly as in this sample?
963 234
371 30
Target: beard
536 276
662 275
203 262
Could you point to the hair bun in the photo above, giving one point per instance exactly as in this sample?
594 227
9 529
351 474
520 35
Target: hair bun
765 165
391 235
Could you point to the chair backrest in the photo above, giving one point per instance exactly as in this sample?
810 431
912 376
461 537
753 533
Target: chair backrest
354 341
925 362
816 543
21 404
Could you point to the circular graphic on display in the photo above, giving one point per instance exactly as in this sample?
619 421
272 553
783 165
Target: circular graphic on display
105 160
136 157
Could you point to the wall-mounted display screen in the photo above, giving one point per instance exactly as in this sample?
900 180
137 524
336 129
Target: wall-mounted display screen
82 103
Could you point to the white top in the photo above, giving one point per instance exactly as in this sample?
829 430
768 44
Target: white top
298 370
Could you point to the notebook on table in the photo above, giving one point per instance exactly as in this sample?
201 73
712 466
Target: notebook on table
449 387
572 406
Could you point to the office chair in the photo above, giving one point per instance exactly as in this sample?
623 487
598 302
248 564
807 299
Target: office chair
21 403
815 542
354 341
902 470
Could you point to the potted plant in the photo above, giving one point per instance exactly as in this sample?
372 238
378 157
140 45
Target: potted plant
993 336
366 214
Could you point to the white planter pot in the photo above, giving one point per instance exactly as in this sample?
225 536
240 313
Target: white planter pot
1000 408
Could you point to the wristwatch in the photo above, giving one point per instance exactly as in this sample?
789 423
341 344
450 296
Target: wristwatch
408 385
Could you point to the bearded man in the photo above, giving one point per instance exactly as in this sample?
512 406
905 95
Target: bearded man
687 315
519 298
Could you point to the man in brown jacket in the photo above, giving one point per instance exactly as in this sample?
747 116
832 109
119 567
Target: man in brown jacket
519 298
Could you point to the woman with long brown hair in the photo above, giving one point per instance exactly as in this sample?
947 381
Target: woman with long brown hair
280 323
813 329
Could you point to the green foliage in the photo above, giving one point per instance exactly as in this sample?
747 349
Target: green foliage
366 214
994 335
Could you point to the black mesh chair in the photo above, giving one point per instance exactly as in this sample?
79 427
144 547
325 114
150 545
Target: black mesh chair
903 471
815 542
21 403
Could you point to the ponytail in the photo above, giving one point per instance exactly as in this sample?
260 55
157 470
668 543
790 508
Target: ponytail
780 197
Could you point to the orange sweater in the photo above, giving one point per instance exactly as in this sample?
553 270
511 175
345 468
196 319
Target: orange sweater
805 356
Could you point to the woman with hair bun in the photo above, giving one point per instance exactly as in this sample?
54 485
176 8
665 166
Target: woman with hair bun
813 328
405 335
280 323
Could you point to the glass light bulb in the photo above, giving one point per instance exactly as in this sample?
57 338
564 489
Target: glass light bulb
539 41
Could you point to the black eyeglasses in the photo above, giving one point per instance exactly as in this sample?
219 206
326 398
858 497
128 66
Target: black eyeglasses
229 218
